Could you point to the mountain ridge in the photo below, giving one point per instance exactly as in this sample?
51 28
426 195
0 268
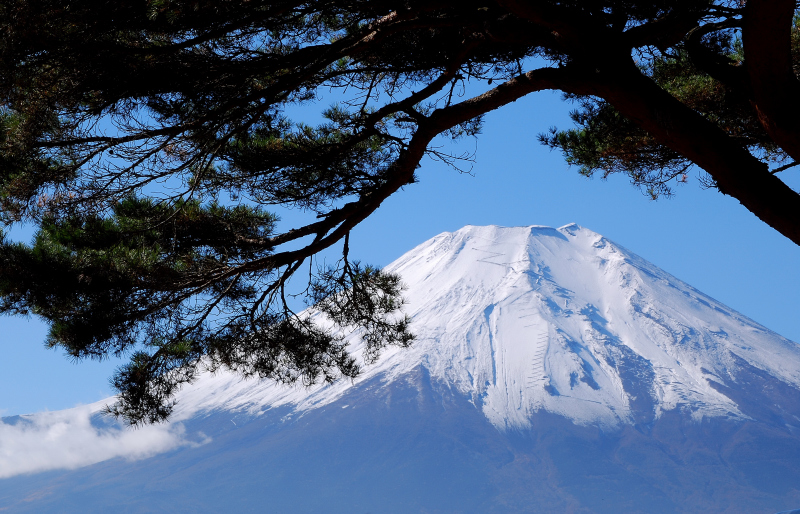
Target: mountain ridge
554 371
511 311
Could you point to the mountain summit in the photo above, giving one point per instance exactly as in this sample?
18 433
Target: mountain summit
553 371
535 318
530 318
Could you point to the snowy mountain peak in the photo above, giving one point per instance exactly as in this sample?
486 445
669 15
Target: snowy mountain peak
535 318
594 364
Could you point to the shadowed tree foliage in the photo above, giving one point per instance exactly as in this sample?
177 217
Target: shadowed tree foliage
151 141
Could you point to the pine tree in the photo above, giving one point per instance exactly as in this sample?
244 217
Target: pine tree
148 140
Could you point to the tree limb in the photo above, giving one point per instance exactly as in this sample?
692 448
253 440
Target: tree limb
776 91
735 170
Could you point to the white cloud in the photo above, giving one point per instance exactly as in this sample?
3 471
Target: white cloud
67 440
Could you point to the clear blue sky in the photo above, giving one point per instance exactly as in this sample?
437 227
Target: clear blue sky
701 237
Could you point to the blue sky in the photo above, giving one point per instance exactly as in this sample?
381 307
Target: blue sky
701 237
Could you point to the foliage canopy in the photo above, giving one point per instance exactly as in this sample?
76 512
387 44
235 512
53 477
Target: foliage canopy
148 140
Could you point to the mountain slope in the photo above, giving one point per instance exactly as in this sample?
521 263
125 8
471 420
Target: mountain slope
554 372
533 318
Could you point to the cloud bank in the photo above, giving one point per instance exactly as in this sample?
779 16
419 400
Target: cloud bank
68 440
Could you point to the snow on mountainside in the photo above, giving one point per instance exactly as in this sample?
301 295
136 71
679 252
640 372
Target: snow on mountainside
535 318
553 371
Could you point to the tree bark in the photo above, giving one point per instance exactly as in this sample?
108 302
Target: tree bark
768 59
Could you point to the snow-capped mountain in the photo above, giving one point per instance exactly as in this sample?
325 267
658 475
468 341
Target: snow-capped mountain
552 369
534 318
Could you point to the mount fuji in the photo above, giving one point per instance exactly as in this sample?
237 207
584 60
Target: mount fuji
553 371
